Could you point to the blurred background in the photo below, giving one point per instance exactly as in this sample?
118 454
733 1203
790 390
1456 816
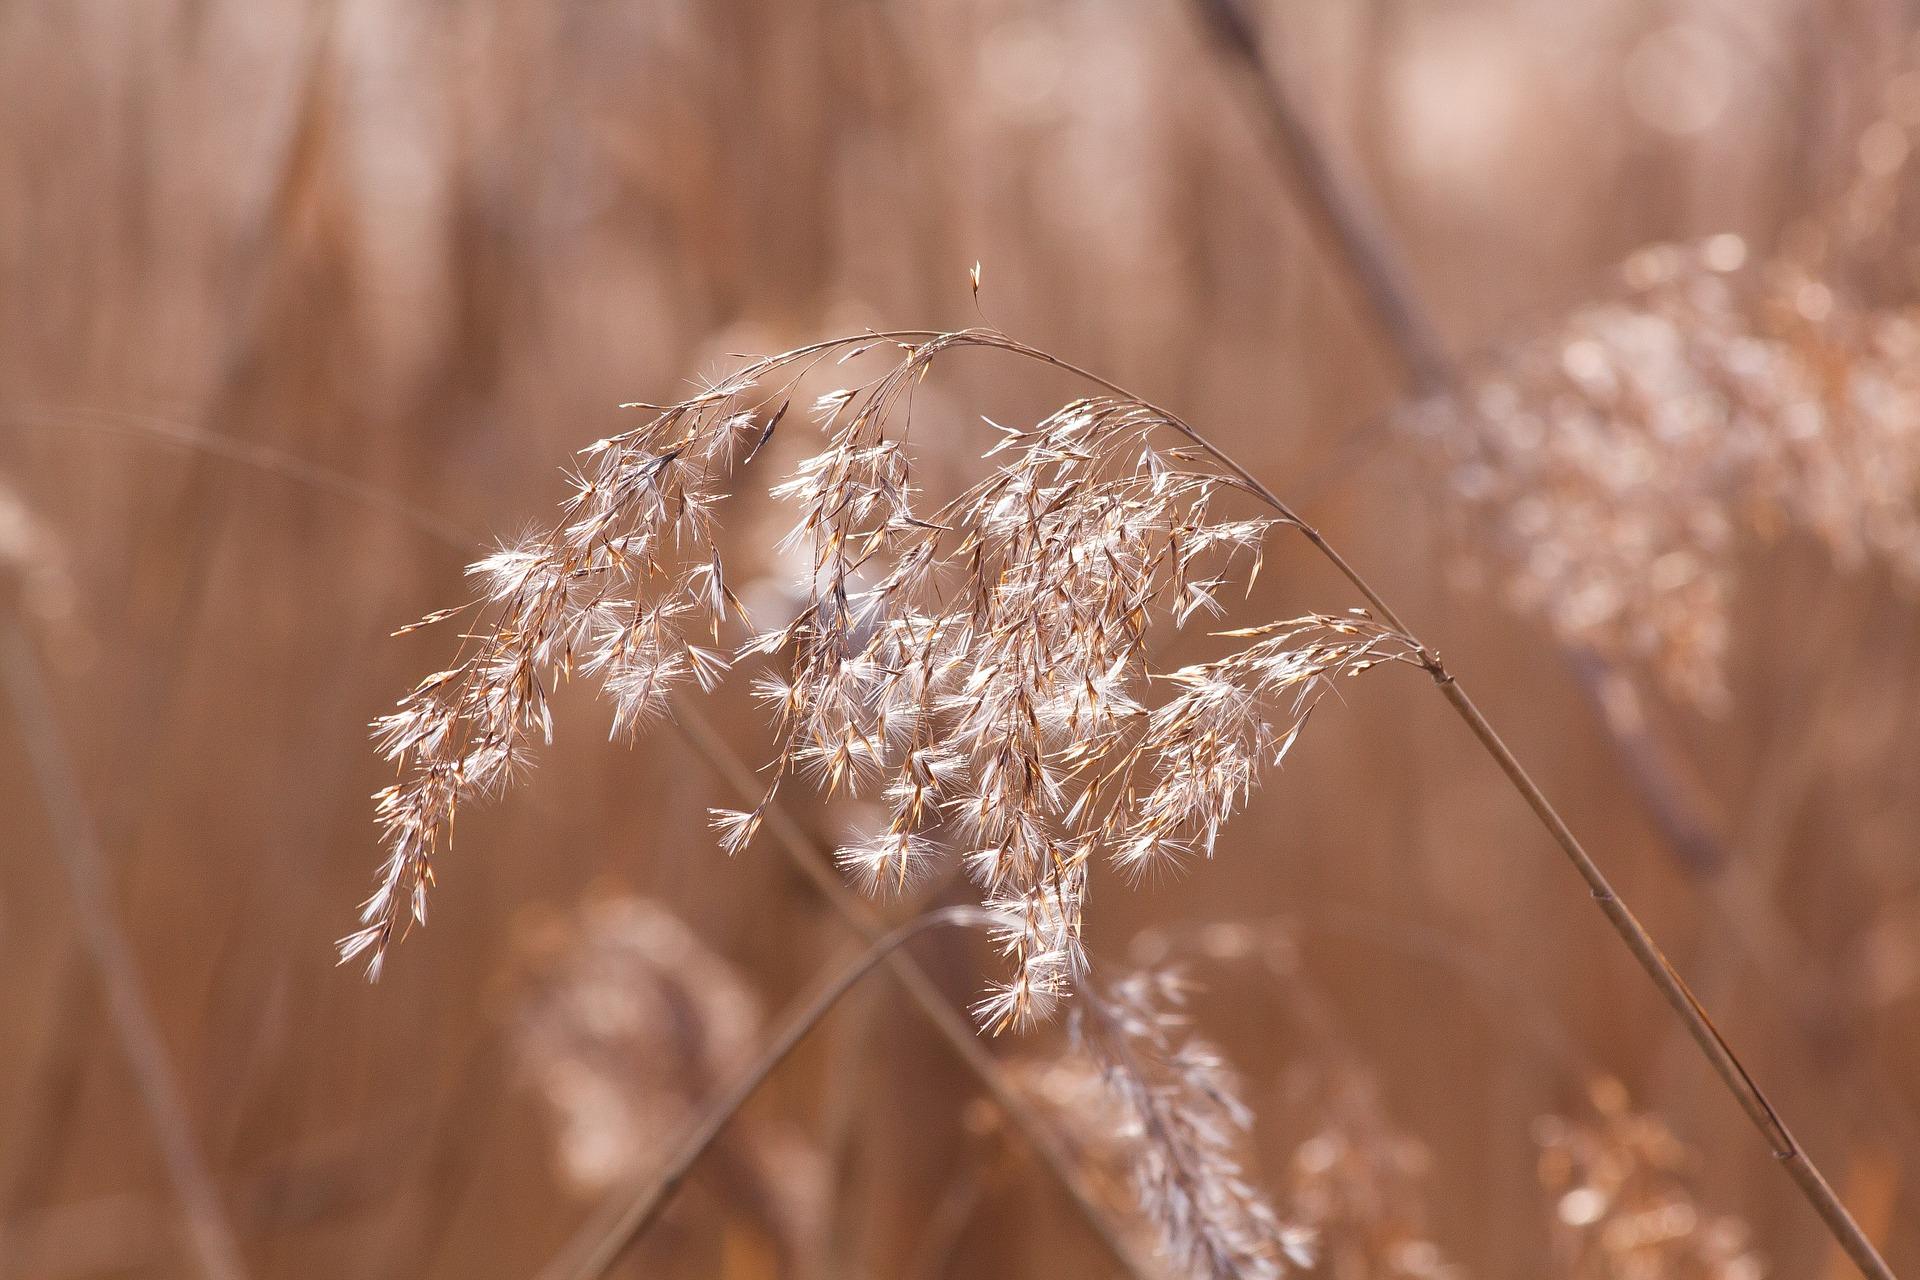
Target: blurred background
303 302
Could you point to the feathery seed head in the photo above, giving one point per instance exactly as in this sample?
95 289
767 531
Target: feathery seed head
979 664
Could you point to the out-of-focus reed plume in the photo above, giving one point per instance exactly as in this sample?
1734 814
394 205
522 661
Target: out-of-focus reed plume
624 1022
1360 1183
1623 1203
1618 459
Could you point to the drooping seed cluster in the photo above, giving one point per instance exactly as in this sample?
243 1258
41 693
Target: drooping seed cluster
984 660
1624 1203
1206 746
1172 1116
1616 460
979 662
627 587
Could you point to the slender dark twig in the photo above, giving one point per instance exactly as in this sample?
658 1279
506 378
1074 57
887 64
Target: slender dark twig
1334 205
601 1242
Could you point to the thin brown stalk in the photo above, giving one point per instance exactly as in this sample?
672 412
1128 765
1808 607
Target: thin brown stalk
209 1235
1352 227
601 1242
223 446
1335 206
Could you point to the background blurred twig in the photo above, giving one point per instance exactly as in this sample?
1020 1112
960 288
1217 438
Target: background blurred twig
209 1235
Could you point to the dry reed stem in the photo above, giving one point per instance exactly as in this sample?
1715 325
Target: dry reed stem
1350 225
1337 207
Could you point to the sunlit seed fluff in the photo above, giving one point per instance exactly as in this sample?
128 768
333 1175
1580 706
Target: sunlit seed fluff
886 862
735 828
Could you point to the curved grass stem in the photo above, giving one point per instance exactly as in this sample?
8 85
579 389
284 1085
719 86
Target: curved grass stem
1659 970
1350 225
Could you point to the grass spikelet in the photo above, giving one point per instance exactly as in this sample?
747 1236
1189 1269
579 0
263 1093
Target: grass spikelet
1178 1124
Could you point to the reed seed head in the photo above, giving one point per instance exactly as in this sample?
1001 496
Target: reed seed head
978 664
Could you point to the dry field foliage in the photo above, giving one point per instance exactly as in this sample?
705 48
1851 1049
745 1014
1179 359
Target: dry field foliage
1010 655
